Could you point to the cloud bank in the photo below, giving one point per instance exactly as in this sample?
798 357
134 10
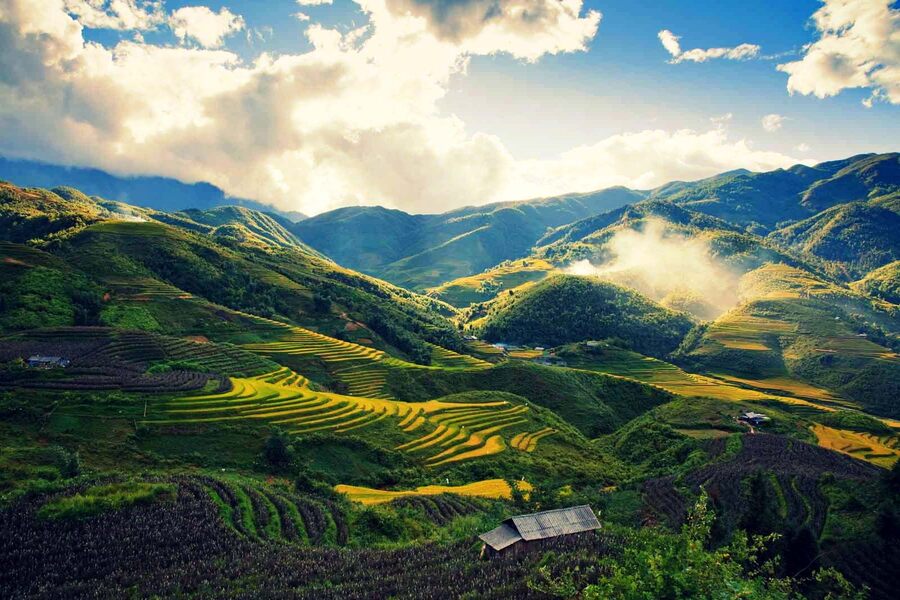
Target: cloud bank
678 271
354 120
858 47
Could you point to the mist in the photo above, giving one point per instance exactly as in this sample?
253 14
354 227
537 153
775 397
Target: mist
678 271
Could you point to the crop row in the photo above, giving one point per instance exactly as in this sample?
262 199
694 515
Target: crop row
440 510
181 548
266 513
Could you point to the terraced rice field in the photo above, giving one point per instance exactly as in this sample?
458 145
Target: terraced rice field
442 432
362 368
447 359
143 289
628 364
747 332
527 442
880 450
787 385
489 488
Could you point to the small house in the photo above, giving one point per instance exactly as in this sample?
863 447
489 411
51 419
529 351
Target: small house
47 362
753 418
517 534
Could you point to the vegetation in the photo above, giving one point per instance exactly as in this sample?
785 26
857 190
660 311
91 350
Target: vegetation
566 309
234 414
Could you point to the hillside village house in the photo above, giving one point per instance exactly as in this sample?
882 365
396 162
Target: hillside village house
47 362
520 533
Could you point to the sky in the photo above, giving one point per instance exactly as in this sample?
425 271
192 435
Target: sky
428 105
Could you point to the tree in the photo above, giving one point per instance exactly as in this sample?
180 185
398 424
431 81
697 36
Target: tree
276 450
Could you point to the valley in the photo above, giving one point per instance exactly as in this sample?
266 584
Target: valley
224 381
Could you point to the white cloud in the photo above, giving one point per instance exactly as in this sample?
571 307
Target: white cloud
803 148
526 29
643 160
117 14
670 42
667 266
773 122
301 16
313 2
204 26
355 120
858 47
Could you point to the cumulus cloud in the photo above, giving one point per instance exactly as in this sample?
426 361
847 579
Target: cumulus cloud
644 160
772 122
300 16
802 148
204 26
526 29
858 47
679 271
671 43
313 2
354 120
117 14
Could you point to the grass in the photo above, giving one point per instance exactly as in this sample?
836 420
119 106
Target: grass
484 286
98 499
489 488
881 450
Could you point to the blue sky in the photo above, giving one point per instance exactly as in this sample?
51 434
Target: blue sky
436 104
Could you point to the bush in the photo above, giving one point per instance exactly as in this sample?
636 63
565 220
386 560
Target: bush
102 498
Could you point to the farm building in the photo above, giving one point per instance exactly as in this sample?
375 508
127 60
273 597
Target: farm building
47 362
753 418
519 533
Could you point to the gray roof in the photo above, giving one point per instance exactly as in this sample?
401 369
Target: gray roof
501 537
542 525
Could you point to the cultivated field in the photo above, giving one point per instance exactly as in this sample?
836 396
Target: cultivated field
883 450
489 488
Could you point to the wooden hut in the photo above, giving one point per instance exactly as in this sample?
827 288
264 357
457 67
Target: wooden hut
525 531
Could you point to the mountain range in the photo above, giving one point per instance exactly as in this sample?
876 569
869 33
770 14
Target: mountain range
193 391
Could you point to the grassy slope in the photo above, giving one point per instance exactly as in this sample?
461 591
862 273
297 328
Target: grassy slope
567 308
881 283
858 237
806 332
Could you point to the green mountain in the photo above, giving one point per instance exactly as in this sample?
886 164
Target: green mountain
761 201
418 251
567 308
858 236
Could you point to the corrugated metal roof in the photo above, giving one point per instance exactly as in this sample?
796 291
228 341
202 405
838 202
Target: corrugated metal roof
542 525
501 537
552 523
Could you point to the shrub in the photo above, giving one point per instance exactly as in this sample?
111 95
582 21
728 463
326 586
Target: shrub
102 498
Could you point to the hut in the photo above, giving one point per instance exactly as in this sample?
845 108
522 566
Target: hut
519 533
47 362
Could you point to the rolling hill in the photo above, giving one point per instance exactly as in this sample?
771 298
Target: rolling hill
566 308
858 236
419 251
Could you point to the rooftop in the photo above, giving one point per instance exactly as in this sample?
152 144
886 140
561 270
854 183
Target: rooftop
541 525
